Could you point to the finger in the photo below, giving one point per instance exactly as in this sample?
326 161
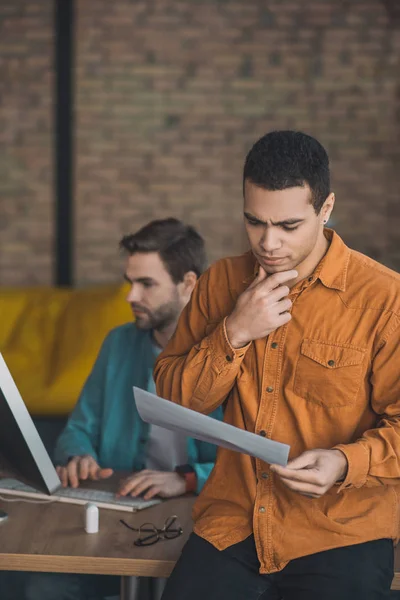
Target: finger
308 476
105 473
129 484
305 460
278 293
145 485
72 469
126 480
277 279
303 488
153 491
261 276
284 305
83 468
63 475
94 469
282 319
124 490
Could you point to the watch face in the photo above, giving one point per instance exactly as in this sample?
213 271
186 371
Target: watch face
184 469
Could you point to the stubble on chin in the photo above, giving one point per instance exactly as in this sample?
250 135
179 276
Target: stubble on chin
143 323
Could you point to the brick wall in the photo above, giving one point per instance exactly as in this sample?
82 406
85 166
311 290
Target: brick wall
171 95
169 98
25 142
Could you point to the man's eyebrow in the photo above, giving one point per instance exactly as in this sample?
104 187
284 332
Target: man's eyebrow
293 221
139 279
288 222
144 280
253 218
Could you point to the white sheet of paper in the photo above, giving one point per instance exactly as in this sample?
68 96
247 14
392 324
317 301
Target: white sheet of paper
164 413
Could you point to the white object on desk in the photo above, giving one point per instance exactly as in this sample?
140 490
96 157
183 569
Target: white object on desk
3 516
91 518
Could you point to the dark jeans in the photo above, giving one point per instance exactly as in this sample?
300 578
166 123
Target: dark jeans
64 586
360 572
16 585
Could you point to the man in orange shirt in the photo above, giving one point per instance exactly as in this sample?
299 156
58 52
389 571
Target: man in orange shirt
299 340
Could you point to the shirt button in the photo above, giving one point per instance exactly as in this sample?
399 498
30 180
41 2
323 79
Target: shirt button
274 345
228 358
331 363
263 433
270 389
261 509
264 475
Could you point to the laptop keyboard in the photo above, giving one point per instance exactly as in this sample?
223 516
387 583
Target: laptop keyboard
79 495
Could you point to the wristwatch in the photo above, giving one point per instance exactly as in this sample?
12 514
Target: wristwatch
189 475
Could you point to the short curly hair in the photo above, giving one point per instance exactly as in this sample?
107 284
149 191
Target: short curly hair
285 159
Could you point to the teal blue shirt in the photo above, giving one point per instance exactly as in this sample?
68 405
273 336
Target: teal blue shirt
105 422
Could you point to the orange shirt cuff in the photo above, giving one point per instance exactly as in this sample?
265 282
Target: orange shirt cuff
358 465
224 354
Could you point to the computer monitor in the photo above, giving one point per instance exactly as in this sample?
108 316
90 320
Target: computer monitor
21 449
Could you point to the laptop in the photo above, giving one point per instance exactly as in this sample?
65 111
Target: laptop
26 470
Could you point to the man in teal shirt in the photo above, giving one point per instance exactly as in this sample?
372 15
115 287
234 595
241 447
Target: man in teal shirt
104 432
105 428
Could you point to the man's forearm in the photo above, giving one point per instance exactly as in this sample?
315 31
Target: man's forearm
202 378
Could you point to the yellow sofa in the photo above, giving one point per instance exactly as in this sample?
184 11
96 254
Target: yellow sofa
50 338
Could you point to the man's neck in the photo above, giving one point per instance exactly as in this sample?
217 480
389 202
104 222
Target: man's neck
308 266
162 337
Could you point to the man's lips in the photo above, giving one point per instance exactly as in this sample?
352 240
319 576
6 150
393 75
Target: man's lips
139 311
274 259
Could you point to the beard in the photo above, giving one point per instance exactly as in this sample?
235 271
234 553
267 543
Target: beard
159 318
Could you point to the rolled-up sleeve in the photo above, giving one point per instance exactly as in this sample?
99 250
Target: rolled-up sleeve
198 367
374 459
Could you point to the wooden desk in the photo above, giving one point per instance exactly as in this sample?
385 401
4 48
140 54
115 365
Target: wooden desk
51 538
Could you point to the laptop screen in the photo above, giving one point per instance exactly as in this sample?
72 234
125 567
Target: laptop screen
22 452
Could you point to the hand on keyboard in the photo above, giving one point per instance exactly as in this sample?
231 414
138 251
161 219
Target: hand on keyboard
152 483
81 468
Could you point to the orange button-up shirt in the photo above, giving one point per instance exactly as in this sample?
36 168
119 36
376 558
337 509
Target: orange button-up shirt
328 378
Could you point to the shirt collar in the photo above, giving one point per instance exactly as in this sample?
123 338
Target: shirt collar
332 270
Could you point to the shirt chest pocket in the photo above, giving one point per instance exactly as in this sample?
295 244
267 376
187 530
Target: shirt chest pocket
328 374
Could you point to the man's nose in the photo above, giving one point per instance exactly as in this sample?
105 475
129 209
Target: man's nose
134 294
270 241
